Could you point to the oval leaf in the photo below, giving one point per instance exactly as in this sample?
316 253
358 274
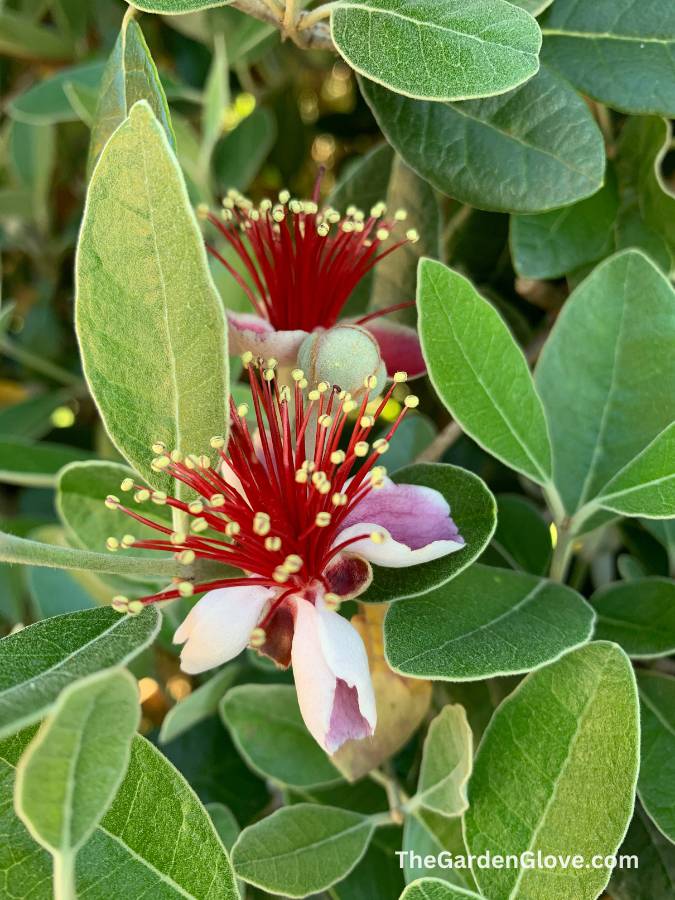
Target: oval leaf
446 763
46 103
267 728
444 49
654 875
28 463
657 770
485 623
473 509
67 778
541 776
302 849
143 287
37 662
530 150
639 615
479 371
198 705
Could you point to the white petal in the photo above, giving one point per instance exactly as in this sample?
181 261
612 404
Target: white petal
314 681
393 553
218 626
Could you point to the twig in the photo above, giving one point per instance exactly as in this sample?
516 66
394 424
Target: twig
315 35
443 440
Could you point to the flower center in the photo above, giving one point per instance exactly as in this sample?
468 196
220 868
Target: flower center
303 263
273 502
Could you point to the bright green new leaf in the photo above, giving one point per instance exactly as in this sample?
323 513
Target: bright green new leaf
654 876
301 850
446 763
657 757
639 615
267 728
479 371
28 463
532 149
68 777
197 706
556 772
486 622
144 294
129 76
438 49
435 889
46 103
603 404
473 510
37 662
622 52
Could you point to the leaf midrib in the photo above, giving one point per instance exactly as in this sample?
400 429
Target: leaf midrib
364 823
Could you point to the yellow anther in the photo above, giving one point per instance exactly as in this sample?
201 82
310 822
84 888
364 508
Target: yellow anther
295 207
128 540
268 374
186 557
297 374
319 478
199 525
323 229
178 537
196 507
159 463
377 537
309 465
202 210
361 448
158 497
412 235
331 601
246 358
324 487
382 234
217 441
134 607
279 214
349 406
159 447
337 457
411 401
325 421
378 210
186 589
293 563
232 529
142 495
400 215
258 637
217 500
380 446
366 421
400 377
351 210
120 604
272 363
204 461
112 502
242 410
284 196
273 543
285 393
322 519
127 484
280 575
322 387
347 227
301 477
302 384
176 456
261 523
313 395
339 499
370 382
112 544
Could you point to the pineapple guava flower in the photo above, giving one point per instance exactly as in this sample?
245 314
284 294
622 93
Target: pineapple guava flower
303 526
302 264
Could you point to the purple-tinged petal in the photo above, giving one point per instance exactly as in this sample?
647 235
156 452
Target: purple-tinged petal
250 332
219 626
348 575
399 346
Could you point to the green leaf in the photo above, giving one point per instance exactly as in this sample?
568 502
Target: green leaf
534 7
639 615
31 418
473 510
71 771
81 491
413 435
130 75
532 149
22 39
28 463
144 291
603 405
647 213
522 540
654 876
435 889
181 859
267 729
46 103
239 156
480 373
176 7
224 822
438 49
216 100
619 52
301 850
556 772
646 485
446 763
365 182
37 662
656 786
551 244
197 706
664 532
428 834
33 553
486 622
54 593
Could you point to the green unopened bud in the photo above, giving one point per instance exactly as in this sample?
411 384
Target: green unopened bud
347 356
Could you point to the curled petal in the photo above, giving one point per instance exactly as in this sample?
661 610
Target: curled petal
218 626
332 678
348 575
250 332
414 520
399 347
